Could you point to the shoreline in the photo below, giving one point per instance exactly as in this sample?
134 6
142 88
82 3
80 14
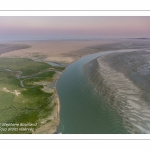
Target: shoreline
51 127
57 96
44 129
119 90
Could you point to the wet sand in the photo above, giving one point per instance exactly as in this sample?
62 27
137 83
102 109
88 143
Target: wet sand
8 47
123 79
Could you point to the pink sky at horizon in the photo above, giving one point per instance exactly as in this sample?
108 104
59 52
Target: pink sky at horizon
124 27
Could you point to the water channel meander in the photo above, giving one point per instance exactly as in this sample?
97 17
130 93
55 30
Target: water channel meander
82 110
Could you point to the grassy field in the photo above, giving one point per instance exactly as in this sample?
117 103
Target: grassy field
27 66
47 76
24 105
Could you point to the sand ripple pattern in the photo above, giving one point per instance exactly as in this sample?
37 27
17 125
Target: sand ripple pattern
121 94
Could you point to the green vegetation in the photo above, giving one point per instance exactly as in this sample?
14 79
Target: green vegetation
24 105
60 68
47 76
27 66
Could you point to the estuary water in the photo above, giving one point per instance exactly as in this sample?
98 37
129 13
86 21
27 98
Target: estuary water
82 110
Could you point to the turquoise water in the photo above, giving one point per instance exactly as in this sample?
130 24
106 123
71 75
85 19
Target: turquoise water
82 110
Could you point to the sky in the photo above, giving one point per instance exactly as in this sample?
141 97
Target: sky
55 27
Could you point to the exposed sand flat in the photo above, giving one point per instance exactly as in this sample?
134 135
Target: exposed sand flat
120 92
5 89
15 91
7 47
56 51
47 89
68 50
132 96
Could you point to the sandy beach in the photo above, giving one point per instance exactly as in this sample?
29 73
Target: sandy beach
51 127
